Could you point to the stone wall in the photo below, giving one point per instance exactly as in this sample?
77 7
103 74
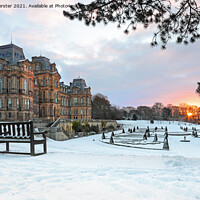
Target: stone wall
41 123
64 129
67 125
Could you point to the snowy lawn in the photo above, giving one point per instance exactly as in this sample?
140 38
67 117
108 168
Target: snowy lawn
87 169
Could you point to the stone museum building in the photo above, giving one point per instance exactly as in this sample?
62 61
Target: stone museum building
32 89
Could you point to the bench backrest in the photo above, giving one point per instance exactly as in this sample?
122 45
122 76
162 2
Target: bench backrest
16 129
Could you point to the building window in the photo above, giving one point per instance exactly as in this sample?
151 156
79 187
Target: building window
55 97
43 111
26 86
49 95
43 95
49 111
81 112
0 103
9 103
81 101
48 82
1 85
1 55
17 55
35 82
9 85
36 95
27 69
75 101
17 115
17 86
25 103
1 66
37 68
43 82
17 103
75 111
8 54
9 115
0 114
24 67
28 103
55 83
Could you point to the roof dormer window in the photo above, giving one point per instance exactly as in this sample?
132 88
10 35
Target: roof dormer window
8 54
16 55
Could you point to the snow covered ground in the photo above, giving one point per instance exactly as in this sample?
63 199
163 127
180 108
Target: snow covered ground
87 169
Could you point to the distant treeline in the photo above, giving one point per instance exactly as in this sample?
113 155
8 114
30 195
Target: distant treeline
102 109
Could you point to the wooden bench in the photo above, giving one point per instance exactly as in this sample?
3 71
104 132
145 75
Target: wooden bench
21 132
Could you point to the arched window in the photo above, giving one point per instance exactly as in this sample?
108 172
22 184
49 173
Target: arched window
37 67
1 84
26 86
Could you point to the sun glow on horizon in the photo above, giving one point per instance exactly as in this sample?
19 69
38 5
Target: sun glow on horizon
189 114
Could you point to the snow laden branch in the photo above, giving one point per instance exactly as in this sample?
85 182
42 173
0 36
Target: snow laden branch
180 18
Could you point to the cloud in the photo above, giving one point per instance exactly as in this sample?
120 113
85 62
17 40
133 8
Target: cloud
124 68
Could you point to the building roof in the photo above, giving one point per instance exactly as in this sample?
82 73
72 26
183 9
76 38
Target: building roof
78 82
11 53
